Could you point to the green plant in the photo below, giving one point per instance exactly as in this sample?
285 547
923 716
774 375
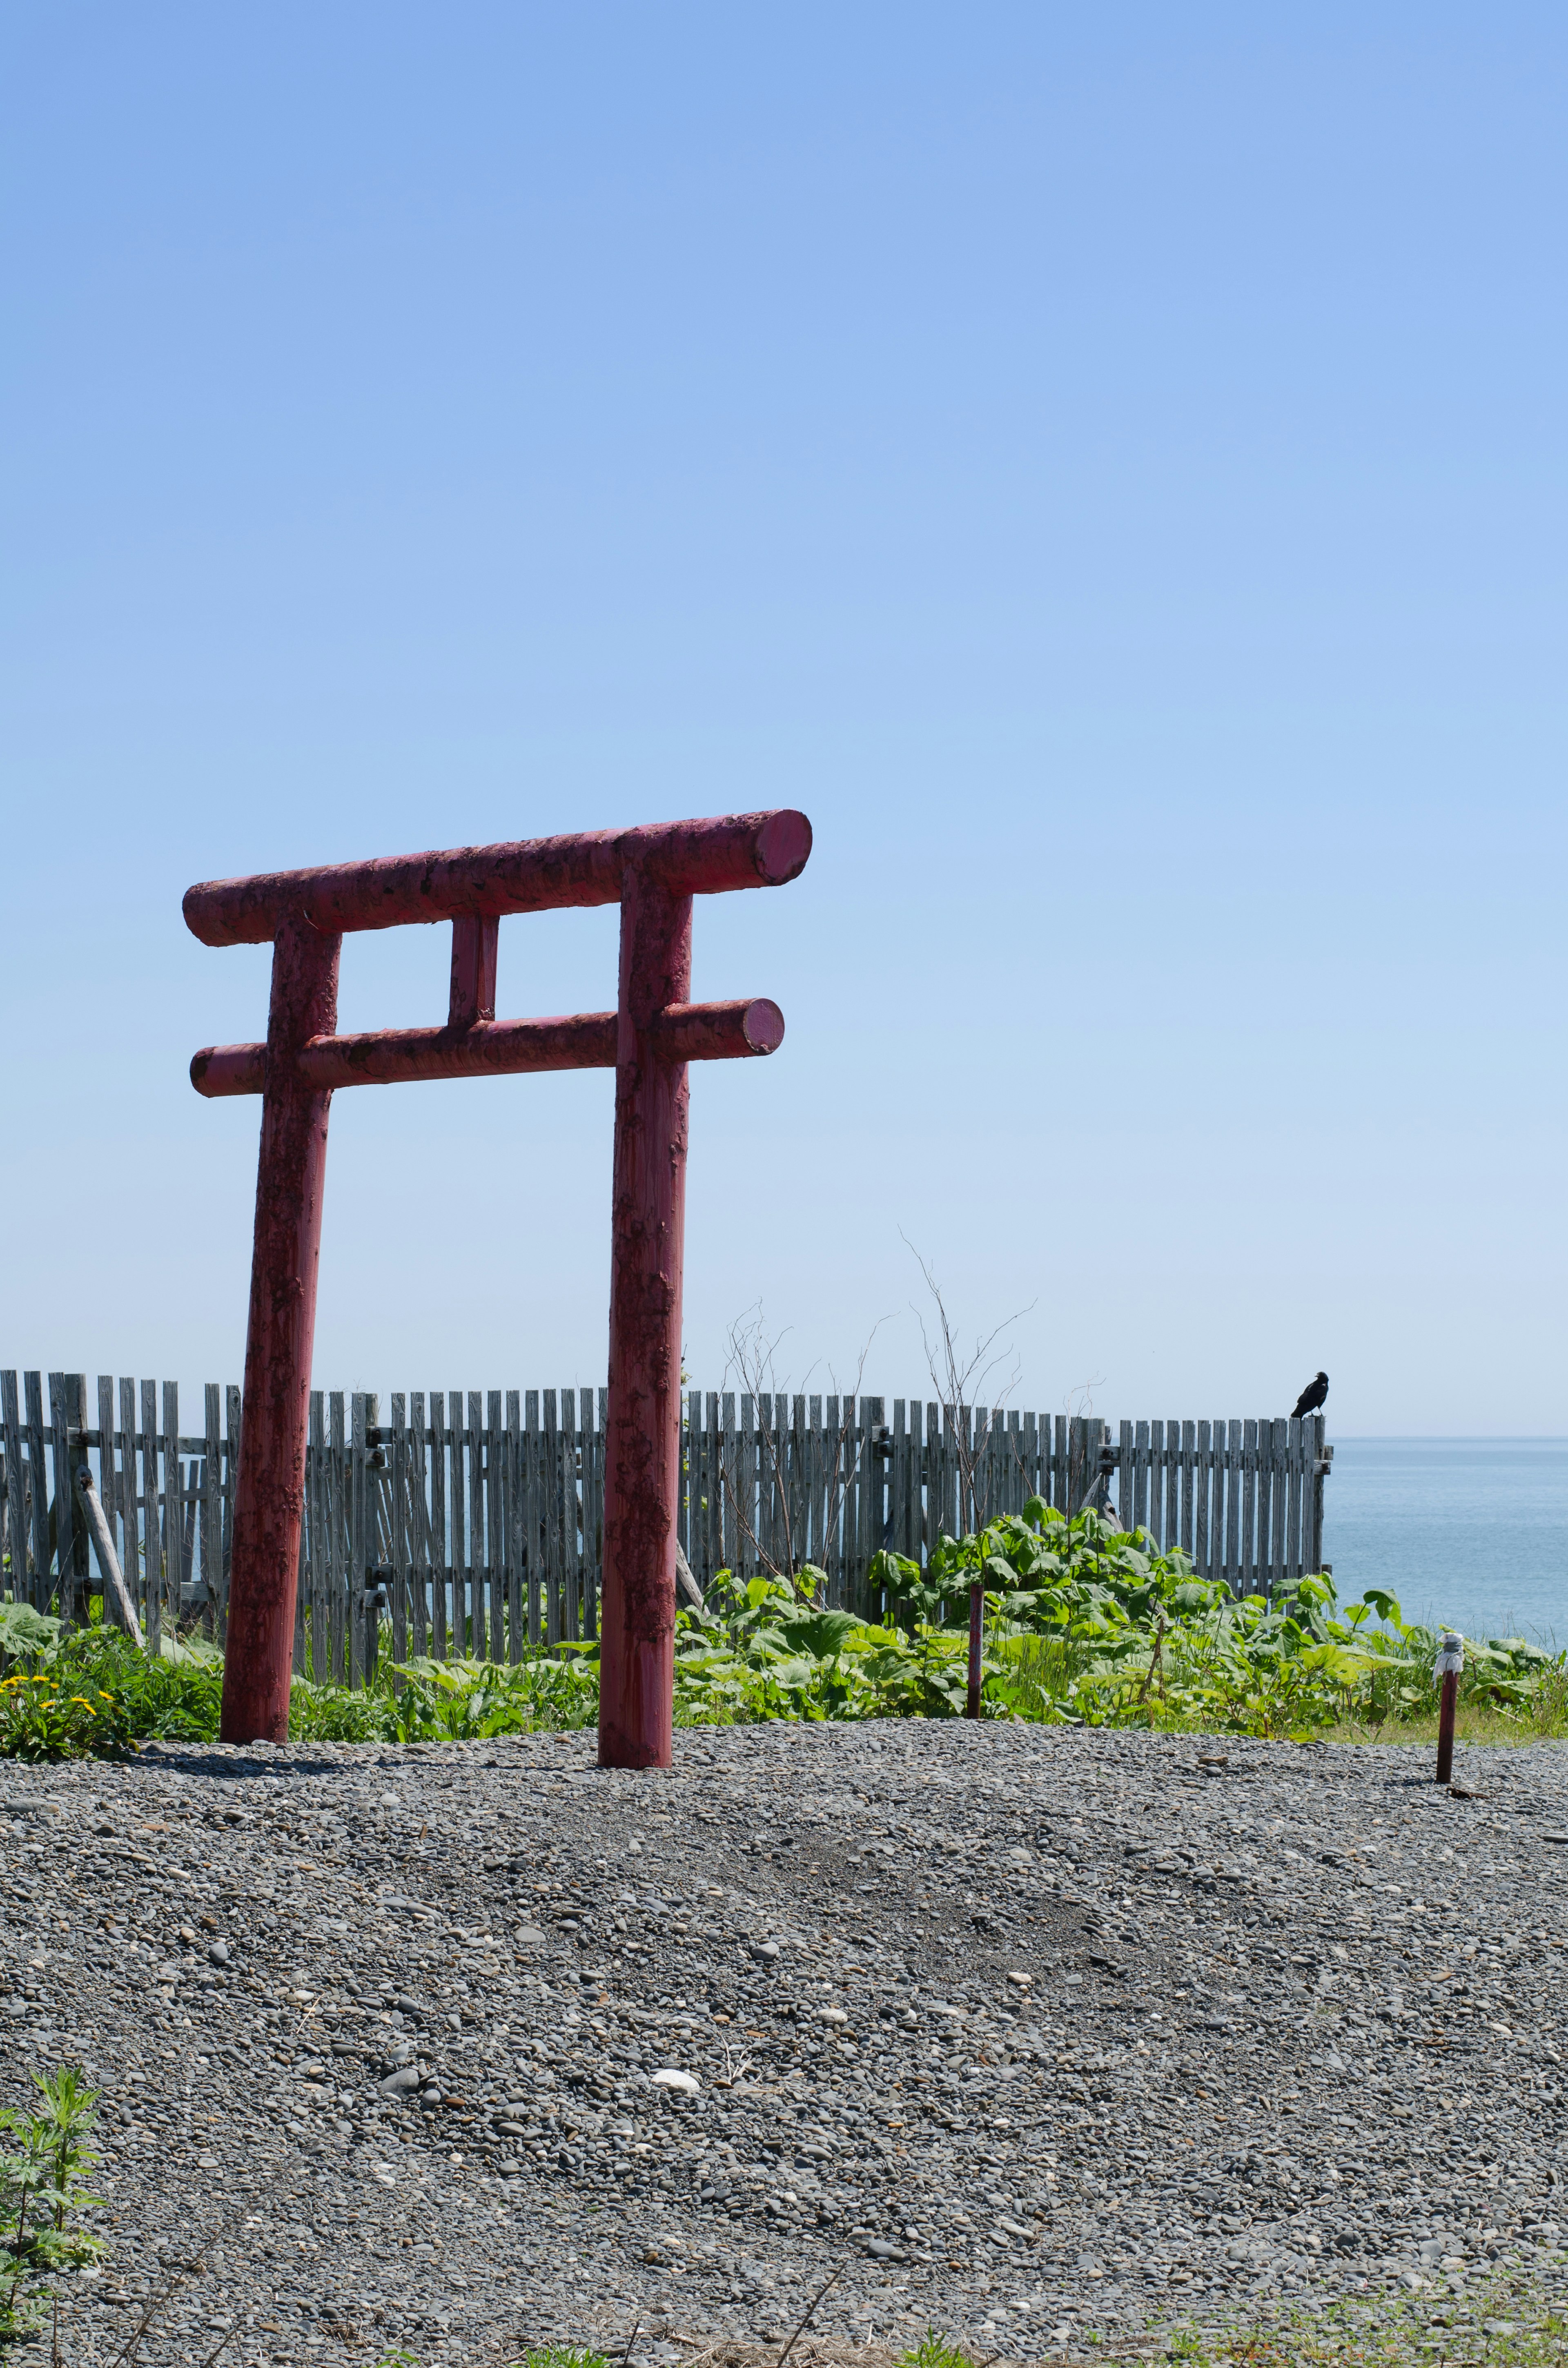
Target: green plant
43 1717
25 1633
547 2355
1083 1625
1094 1625
44 2194
1495 2325
935 2350
560 2355
772 1655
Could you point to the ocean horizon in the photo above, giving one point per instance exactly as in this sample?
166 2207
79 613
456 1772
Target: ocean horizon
1470 1531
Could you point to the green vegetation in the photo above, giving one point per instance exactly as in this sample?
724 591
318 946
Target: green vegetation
1494 2330
1495 2326
934 2351
44 2165
1083 1625
547 2355
1094 1625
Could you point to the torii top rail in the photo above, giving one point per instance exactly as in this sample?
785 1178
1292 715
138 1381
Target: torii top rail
653 873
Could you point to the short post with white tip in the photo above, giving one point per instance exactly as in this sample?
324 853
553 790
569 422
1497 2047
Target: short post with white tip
1446 1667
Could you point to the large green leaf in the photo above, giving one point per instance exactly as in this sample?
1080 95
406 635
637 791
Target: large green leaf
24 1631
821 1633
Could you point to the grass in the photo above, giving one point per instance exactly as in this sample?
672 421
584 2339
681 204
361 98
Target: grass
547 2355
1474 1726
1042 1669
1543 1719
935 2350
1349 2334
1497 2329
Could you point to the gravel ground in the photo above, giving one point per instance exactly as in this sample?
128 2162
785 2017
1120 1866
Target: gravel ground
1029 2032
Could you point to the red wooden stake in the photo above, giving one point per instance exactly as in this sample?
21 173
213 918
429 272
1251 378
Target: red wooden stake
1448 1666
270 1487
976 1616
1445 1730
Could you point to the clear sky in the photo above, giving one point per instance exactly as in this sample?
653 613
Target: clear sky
1106 463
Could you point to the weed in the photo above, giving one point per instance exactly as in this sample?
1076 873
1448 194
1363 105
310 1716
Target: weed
56 1715
43 2195
1495 2327
561 2355
935 2350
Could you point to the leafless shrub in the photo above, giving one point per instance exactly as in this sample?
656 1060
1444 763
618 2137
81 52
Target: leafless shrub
752 1366
962 1377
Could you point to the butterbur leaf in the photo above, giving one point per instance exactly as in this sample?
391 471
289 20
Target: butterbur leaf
823 1634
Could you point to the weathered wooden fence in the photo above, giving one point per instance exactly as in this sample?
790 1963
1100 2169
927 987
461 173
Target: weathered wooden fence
472 1522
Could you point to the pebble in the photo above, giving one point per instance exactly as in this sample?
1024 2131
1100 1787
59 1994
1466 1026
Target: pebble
496 2039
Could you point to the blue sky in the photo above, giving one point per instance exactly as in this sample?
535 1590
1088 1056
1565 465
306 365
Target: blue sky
1106 464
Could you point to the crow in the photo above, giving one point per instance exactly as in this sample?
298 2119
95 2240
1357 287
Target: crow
1313 1397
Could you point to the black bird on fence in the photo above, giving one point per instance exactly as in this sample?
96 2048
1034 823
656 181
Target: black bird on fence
1313 1397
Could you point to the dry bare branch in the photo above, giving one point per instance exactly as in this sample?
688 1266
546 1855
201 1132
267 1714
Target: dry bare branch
753 1363
960 1380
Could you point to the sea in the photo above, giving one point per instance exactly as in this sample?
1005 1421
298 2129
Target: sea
1470 1533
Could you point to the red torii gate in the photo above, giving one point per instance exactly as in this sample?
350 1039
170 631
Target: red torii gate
653 873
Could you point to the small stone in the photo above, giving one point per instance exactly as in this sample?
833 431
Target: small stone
685 2084
399 2083
218 1954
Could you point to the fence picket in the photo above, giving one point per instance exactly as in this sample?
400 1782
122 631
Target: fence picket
1279 1457
400 1554
130 1550
478 1556
16 1491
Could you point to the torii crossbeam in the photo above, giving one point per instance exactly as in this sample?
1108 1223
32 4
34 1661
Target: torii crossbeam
653 873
